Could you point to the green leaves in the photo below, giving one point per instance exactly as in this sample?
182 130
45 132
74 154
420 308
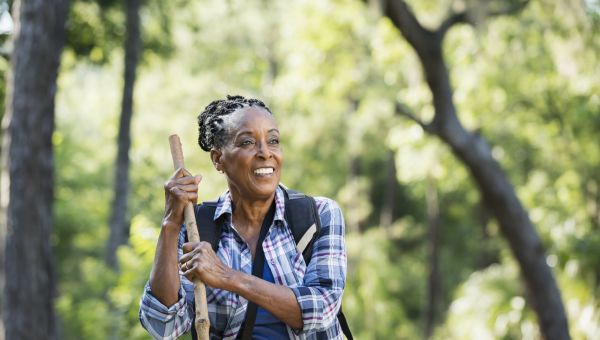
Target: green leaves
332 73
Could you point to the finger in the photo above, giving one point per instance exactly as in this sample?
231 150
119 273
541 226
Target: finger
173 179
180 172
185 180
183 195
189 272
190 276
189 246
188 255
188 187
175 191
185 258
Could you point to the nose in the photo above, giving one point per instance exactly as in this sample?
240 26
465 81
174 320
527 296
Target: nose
263 150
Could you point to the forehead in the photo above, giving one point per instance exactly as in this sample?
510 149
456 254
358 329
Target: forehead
251 118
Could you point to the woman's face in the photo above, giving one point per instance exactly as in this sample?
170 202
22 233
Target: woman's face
253 158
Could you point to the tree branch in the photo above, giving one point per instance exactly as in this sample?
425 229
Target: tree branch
404 111
453 19
466 16
512 9
408 24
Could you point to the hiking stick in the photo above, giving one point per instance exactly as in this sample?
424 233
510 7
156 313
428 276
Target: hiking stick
202 323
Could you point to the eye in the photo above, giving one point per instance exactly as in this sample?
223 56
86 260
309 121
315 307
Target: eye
246 142
274 141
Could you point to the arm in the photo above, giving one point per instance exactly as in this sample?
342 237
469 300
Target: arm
277 299
173 320
164 278
201 261
320 295
163 305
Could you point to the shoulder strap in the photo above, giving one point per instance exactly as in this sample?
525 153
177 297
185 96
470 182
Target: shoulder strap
208 229
344 324
303 219
207 226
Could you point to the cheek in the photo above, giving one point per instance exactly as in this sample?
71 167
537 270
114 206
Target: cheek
278 153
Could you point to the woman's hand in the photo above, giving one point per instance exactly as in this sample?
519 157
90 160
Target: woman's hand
180 189
200 261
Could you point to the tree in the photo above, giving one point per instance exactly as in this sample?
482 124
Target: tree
434 276
28 166
474 152
119 224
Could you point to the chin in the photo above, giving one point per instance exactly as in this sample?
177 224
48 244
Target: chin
266 190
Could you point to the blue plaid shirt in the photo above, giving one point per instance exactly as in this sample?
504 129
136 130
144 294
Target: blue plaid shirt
318 287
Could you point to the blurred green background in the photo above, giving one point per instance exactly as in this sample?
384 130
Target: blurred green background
331 72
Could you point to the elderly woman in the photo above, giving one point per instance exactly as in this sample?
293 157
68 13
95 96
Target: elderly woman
294 301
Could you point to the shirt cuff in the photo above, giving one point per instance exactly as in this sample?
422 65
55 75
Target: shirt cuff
156 310
319 307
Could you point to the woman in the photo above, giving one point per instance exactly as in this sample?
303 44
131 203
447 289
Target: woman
294 301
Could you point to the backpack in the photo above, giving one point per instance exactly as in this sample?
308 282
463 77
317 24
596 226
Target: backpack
301 216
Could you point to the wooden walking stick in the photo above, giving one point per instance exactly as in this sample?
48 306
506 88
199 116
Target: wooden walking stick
202 323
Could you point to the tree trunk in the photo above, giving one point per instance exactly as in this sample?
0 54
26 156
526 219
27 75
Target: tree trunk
28 167
488 254
119 221
386 217
434 279
353 164
475 154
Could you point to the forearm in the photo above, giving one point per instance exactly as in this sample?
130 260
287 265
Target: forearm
277 299
164 277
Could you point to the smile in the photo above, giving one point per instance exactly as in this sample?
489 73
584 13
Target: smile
263 171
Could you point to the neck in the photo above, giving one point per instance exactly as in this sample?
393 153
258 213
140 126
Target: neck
250 213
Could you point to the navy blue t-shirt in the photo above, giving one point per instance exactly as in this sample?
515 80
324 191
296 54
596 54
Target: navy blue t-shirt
267 326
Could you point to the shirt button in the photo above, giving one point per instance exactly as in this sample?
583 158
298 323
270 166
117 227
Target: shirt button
181 312
272 261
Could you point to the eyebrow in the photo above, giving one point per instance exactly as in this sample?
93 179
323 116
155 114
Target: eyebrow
242 133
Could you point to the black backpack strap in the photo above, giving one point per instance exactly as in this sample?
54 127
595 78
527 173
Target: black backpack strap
209 230
207 226
303 219
258 266
344 324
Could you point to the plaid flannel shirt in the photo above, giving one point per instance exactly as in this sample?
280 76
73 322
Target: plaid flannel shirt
318 287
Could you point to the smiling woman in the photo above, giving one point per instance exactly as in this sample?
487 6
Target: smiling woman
289 299
252 159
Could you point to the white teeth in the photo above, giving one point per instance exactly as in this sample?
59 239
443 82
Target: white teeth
263 171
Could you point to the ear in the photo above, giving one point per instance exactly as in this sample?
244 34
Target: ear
216 157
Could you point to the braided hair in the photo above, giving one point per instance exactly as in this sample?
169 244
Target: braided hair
213 125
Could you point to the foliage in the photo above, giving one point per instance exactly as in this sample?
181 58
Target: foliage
332 71
96 28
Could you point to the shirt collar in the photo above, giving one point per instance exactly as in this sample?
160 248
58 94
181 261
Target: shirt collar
225 205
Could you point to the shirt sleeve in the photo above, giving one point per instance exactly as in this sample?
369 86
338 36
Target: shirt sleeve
164 322
320 295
